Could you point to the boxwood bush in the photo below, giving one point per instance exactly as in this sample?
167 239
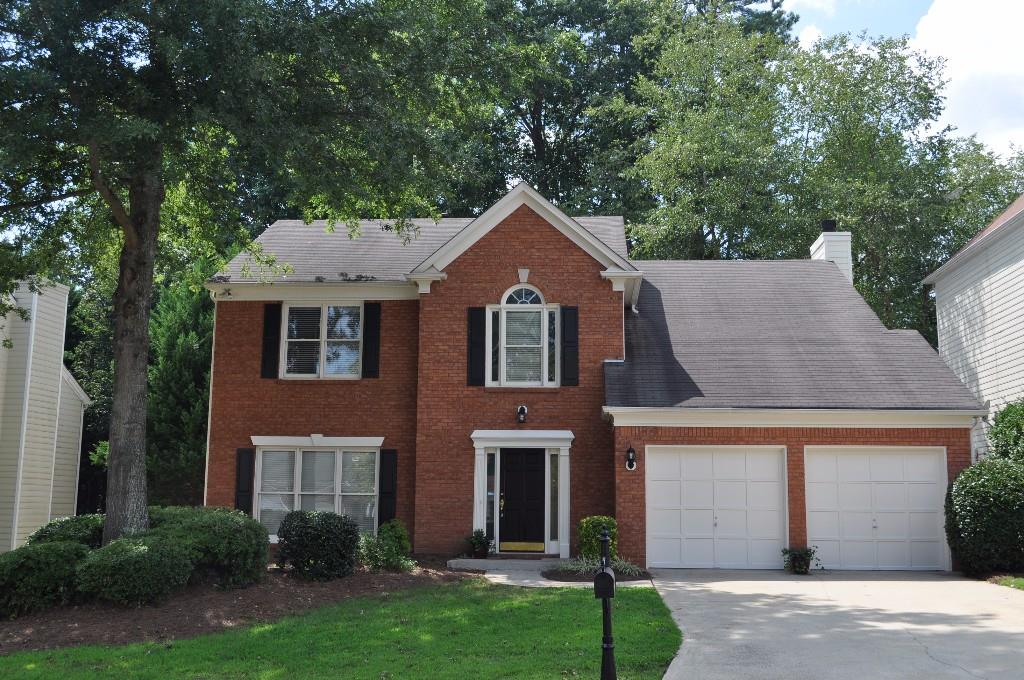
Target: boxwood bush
985 517
134 571
318 545
1007 432
84 529
388 550
38 576
588 536
226 545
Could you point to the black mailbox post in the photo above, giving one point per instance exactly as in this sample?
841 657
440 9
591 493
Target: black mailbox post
604 590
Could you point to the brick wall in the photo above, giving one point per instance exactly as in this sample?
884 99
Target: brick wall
630 501
448 410
244 404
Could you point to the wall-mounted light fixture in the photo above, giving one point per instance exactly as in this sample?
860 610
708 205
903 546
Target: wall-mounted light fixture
630 458
521 414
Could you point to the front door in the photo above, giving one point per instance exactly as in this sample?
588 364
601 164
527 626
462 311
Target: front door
521 505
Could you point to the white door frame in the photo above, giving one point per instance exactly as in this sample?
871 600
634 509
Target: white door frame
947 558
553 442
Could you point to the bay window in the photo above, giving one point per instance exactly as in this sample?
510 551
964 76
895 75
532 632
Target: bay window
322 341
522 338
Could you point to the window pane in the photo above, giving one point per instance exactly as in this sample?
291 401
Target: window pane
490 496
523 328
342 358
523 364
553 462
552 346
273 508
278 471
303 357
318 472
343 323
363 510
495 344
359 471
522 296
319 502
303 323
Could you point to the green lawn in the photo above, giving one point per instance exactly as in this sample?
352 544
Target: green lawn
1011 581
465 630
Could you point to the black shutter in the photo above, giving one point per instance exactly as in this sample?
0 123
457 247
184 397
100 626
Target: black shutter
570 346
371 340
245 470
388 485
271 339
477 346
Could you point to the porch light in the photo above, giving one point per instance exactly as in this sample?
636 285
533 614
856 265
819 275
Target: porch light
630 458
521 414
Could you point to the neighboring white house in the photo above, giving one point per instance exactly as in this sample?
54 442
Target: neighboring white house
41 409
979 298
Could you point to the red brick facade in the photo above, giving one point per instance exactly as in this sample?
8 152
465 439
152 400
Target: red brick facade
630 501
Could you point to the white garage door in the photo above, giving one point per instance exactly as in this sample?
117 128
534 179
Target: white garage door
877 508
715 507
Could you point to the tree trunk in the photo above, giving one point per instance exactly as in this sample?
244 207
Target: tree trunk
126 467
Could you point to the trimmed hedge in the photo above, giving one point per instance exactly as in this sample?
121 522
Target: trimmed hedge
226 545
388 550
135 571
318 545
1007 432
985 517
588 535
38 576
84 529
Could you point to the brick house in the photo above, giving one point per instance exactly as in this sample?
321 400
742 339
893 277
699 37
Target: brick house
517 372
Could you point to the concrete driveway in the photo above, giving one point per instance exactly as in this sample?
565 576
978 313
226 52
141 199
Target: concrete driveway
747 625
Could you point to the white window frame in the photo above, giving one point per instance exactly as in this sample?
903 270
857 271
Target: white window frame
296 492
322 373
546 310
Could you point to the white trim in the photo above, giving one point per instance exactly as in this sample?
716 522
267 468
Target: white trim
947 559
78 460
24 415
56 420
317 440
522 194
209 401
971 249
424 279
522 439
75 387
313 292
627 282
321 374
628 416
545 310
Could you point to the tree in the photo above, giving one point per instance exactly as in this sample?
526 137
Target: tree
338 104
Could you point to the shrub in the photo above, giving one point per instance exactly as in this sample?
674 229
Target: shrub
1007 432
135 571
588 535
588 566
38 576
318 545
224 544
985 517
388 550
84 529
799 560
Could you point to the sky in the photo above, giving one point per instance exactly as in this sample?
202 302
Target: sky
978 38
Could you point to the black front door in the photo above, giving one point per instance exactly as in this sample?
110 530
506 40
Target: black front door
521 506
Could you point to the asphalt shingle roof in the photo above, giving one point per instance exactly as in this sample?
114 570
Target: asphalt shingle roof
770 334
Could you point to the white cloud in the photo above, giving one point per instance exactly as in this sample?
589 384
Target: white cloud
985 93
809 35
827 7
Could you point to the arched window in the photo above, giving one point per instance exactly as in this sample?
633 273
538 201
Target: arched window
523 339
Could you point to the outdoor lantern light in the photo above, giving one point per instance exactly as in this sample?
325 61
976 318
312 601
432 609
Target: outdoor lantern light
521 414
630 458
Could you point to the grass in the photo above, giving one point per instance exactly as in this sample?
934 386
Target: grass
1011 581
464 630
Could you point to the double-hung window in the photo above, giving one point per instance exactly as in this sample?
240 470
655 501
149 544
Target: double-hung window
522 338
336 480
322 341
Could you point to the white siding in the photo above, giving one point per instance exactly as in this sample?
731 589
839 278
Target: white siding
980 314
13 392
65 469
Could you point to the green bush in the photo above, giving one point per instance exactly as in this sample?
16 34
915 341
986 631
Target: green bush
84 529
1006 435
135 571
38 576
588 535
388 550
226 545
985 517
318 545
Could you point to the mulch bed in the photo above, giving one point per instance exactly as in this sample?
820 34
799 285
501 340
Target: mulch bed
574 577
201 609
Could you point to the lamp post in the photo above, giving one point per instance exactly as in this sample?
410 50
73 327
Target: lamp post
604 589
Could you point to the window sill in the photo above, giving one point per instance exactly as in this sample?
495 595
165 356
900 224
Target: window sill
317 381
520 390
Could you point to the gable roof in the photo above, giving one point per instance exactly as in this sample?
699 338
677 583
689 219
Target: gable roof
791 334
1011 218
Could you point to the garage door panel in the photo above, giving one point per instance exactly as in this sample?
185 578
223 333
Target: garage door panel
821 469
925 525
731 523
824 524
856 525
731 553
764 466
893 555
663 467
764 524
696 465
926 554
923 468
665 494
764 495
699 523
892 525
922 496
731 494
886 468
661 522
828 552
889 496
698 553
730 465
857 554
822 496
698 494
855 496
664 551
764 553
853 468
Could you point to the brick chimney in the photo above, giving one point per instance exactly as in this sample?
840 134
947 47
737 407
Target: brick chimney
834 246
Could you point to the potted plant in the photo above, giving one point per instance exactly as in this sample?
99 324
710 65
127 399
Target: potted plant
479 544
799 560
